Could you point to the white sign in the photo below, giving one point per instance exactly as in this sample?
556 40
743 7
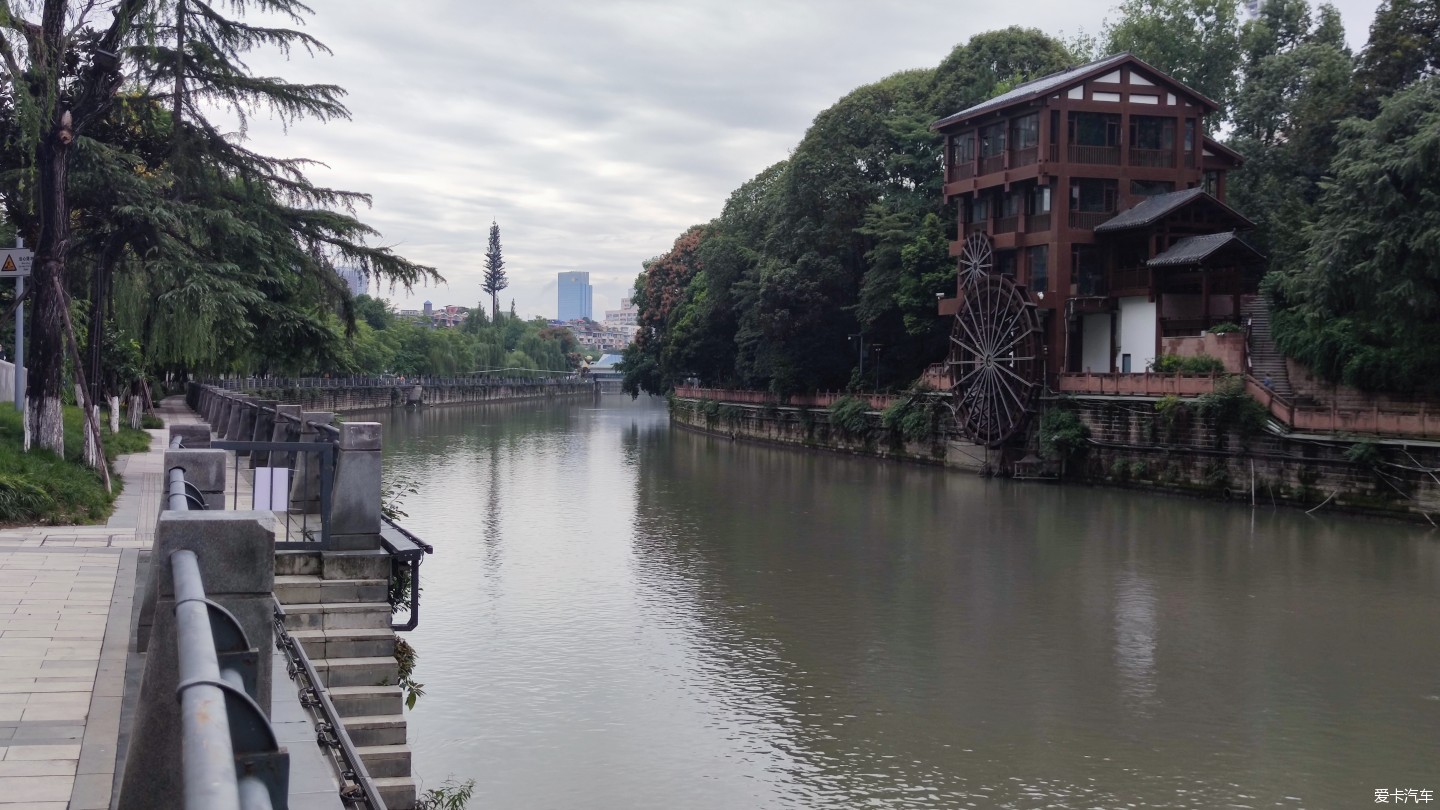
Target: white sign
15 262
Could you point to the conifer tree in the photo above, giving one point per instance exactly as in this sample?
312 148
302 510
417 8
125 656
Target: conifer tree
495 280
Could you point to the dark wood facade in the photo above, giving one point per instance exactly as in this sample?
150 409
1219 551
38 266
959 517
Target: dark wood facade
1040 168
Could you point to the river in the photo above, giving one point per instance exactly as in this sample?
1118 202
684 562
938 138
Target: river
620 614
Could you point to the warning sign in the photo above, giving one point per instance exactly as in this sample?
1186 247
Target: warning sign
15 262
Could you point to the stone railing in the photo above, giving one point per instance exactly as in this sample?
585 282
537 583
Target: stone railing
1148 384
1375 420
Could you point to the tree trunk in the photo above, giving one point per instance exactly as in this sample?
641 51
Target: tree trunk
46 350
99 305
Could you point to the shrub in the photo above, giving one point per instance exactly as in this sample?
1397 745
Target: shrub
1224 328
1200 364
1232 409
850 416
1062 435
22 500
912 418
150 421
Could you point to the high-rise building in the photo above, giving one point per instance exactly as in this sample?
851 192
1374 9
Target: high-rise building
574 296
355 279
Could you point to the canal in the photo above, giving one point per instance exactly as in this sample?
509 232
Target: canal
624 615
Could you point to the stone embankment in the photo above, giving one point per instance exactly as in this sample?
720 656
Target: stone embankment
1137 442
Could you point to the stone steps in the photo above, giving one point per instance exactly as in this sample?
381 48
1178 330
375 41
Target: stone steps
337 608
347 643
366 701
1266 361
397 792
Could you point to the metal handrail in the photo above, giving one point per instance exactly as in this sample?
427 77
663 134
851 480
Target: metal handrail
411 557
332 734
183 495
215 710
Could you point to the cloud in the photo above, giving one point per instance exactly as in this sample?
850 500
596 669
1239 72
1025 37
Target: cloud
595 133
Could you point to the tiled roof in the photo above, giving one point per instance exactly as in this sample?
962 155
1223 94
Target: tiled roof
1151 210
1196 249
1034 88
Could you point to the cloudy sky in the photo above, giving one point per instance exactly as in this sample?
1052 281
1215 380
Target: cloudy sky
595 132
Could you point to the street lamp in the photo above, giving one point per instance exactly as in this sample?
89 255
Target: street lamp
876 347
861 337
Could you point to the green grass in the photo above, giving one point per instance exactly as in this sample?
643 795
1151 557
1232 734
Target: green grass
40 487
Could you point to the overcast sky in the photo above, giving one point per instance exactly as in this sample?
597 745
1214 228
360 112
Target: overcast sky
595 132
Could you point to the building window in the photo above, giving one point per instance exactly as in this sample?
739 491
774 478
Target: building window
979 208
1039 200
1149 188
1087 270
1007 261
1212 182
964 148
1014 203
1152 132
992 140
1189 135
1092 196
1025 132
1039 260
1094 129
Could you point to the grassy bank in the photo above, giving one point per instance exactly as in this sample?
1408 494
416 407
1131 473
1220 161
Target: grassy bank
40 487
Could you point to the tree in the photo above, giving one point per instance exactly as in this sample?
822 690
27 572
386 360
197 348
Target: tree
495 280
1362 304
1196 41
1404 47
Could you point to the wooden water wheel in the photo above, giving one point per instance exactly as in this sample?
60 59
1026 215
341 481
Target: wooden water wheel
997 357
977 258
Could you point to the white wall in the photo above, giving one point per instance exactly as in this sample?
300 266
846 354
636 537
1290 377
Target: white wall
1137 333
1095 343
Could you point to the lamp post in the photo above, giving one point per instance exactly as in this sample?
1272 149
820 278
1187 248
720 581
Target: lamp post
861 338
876 347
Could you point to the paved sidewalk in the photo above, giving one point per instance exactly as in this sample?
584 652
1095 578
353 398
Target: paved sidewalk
66 596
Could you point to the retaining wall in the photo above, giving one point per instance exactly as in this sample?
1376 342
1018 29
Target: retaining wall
373 397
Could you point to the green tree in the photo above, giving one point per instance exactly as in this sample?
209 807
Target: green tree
495 280
1196 41
1361 305
1404 47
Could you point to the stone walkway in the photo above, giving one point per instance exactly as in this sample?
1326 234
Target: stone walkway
66 597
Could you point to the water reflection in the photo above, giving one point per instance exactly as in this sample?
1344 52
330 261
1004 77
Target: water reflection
621 614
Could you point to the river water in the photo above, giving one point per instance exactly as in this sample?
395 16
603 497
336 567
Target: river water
621 614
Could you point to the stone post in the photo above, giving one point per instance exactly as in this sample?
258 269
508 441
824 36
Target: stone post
227 410
305 488
355 499
195 436
264 426
235 429
281 432
236 553
206 470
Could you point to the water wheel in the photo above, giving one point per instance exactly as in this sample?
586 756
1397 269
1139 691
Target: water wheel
997 357
977 258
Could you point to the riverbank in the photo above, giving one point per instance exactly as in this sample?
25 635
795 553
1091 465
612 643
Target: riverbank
1126 442
343 397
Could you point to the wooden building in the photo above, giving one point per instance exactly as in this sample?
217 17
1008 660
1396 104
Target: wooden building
1097 190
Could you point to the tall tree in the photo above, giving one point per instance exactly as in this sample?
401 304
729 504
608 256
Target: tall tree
62 76
1362 304
495 279
1196 41
1404 47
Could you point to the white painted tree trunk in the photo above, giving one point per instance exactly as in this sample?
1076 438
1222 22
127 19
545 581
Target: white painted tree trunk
136 410
114 414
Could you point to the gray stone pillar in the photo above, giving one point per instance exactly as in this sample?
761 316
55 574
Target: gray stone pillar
264 426
236 553
222 421
281 432
206 470
305 488
355 499
195 436
245 431
235 430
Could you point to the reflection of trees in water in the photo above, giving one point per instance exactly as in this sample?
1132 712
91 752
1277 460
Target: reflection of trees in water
1082 644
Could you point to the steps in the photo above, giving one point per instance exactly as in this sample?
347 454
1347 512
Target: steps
337 608
1266 361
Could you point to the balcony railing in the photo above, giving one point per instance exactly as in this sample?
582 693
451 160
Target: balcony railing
1007 224
975 227
962 171
1092 283
1099 155
1087 220
1025 157
1131 278
1153 158
992 164
1037 223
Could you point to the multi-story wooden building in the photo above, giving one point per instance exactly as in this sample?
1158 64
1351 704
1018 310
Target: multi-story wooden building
1097 191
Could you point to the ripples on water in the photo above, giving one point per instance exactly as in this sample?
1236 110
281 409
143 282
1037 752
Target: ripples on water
623 615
